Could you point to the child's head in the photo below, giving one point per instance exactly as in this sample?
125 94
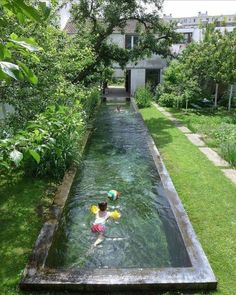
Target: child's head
102 206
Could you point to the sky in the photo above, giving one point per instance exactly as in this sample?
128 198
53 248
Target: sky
192 7
188 8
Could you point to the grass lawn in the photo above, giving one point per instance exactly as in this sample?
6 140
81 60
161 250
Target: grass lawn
208 197
217 127
20 207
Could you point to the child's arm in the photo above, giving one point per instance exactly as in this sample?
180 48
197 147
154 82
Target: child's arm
94 209
115 214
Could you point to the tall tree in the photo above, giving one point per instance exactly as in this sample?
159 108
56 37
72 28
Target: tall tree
96 20
210 62
55 66
219 48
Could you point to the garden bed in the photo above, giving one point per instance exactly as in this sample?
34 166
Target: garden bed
218 129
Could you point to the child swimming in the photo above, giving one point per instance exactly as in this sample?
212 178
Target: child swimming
101 217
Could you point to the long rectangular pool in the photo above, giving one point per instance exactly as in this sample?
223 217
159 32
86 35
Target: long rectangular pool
118 157
151 245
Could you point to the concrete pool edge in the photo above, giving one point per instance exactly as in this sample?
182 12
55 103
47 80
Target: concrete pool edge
198 277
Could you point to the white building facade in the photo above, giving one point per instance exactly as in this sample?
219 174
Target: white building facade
149 71
141 73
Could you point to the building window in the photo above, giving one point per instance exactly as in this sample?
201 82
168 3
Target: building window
131 41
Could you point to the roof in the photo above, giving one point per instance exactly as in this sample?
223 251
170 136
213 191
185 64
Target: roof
130 27
70 27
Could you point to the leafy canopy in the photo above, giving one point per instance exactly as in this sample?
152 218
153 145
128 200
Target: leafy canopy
96 21
11 46
201 65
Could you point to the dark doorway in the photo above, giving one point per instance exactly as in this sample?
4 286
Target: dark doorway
128 81
152 78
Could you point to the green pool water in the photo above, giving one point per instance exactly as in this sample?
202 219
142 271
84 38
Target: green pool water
117 157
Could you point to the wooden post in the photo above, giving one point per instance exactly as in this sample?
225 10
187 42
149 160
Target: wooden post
4 111
230 97
216 95
186 105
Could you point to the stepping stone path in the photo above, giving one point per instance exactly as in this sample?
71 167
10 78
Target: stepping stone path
196 140
214 157
231 174
184 129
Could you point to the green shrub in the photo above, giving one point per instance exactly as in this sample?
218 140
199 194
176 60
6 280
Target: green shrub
170 100
117 81
143 97
89 100
224 132
228 151
48 145
51 143
167 100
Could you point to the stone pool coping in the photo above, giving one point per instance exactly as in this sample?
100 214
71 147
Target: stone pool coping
197 277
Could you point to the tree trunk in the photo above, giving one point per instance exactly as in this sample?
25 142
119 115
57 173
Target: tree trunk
230 97
216 95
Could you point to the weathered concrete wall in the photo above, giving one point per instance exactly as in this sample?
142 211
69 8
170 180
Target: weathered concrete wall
118 73
137 69
117 39
137 79
154 62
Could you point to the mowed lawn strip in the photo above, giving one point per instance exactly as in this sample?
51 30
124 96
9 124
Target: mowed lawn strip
20 226
208 196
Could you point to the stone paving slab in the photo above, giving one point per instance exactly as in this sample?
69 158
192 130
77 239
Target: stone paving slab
184 129
195 139
161 109
231 174
214 157
173 119
167 114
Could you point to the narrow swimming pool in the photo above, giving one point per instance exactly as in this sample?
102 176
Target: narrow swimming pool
117 157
